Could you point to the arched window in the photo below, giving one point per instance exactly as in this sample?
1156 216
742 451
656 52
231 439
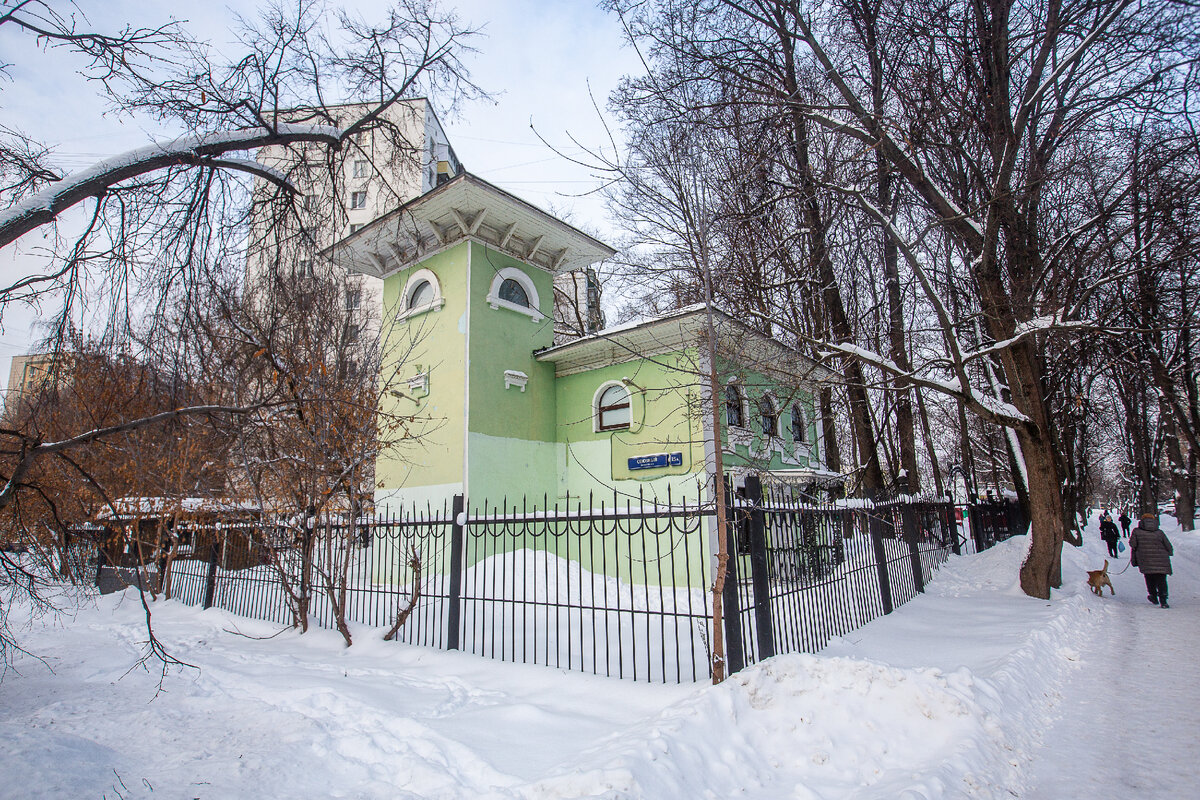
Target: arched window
612 409
733 407
768 417
513 292
422 293
799 425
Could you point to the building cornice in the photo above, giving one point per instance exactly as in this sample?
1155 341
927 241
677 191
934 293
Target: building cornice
462 209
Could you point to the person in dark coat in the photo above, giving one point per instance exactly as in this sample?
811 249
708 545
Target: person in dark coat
1150 551
1124 520
1110 534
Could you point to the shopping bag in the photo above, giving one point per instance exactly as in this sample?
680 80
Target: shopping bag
1120 547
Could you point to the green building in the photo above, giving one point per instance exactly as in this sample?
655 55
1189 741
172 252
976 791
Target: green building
496 408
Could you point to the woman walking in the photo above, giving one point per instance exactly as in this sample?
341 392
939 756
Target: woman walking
1109 533
1150 551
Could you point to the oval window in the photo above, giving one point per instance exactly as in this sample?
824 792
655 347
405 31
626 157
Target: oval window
421 295
513 292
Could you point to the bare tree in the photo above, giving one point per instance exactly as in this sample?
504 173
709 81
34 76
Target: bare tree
1000 124
154 235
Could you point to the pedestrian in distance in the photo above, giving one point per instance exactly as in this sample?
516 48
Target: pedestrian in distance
1150 551
1124 520
1110 534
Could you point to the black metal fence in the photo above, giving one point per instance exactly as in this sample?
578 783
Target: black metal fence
994 521
616 588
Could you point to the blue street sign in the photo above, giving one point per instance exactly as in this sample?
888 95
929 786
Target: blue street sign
656 461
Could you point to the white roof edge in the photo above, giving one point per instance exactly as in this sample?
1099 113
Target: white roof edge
620 333
414 222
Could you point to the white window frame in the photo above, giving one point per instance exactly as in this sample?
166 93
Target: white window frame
436 304
600 390
355 197
493 297
362 168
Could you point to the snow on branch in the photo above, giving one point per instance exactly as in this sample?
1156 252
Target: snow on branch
1043 324
198 150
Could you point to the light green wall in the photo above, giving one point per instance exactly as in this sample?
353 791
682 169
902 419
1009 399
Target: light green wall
435 340
664 411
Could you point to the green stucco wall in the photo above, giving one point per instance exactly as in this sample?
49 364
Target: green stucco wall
664 418
435 342
511 432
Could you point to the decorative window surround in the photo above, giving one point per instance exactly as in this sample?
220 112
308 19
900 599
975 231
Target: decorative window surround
414 280
597 409
419 383
493 297
513 377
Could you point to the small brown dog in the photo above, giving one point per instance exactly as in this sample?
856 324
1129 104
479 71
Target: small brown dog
1098 579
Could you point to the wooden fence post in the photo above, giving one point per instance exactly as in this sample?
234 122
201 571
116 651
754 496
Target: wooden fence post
454 614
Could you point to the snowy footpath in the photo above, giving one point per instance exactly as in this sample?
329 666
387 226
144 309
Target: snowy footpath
971 690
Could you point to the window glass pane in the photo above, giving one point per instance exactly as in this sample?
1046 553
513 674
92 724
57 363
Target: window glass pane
614 408
422 295
733 406
799 427
766 413
513 292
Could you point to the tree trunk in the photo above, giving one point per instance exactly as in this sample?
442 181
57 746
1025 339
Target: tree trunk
1183 476
1041 570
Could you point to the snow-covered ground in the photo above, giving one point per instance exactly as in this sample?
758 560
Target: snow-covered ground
972 690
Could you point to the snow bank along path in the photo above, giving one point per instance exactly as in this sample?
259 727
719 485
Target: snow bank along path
954 695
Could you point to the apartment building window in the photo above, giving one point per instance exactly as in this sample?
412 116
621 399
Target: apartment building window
304 268
353 298
361 168
355 227
309 202
352 333
358 199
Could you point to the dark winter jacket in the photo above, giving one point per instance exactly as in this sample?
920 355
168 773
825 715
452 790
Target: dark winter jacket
1150 549
1108 530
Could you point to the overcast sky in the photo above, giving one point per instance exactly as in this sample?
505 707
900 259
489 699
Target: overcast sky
539 58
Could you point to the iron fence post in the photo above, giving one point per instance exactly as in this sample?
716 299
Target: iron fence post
881 565
950 526
758 570
909 520
975 517
210 582
101 560
735 657
454 614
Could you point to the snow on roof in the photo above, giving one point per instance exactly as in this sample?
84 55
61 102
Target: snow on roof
127 507
676 330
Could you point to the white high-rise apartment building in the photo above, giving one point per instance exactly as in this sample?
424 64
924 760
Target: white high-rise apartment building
376 171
